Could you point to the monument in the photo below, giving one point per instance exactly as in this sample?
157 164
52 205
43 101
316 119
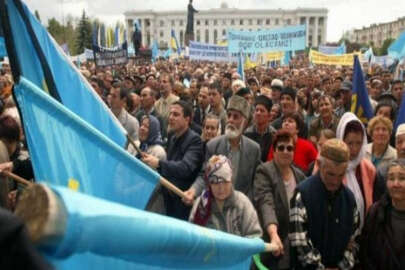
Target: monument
190 23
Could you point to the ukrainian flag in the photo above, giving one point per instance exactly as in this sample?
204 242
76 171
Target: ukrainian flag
34 54
174 44
361 105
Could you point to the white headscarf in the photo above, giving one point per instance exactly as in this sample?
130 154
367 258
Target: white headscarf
350 175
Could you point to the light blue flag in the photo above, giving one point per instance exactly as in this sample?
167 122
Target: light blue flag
67 151
106 235
167 53
397 49
241 64
3 51
361 105
39 59
368 55
286 58
155 51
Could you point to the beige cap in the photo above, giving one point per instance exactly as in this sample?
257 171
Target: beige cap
239 104
336 150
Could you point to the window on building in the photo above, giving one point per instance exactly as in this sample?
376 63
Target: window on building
259 21
250 21
223 22
173 23
207 36
181 22
206 22
181 38
215 36
276 22
288 21
241 22
215 22
198 35
223 33
267 21
319 40
232 22
303 20
147 23
198 22
161 23
148 38
161 34
311 21
321 21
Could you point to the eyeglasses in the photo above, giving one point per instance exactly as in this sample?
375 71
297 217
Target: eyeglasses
281 148
215 179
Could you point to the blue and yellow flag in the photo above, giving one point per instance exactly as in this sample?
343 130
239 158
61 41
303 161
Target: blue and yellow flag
174 44
67 151
361 105
34 54
105 235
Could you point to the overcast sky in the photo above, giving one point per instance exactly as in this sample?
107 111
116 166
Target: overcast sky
343 14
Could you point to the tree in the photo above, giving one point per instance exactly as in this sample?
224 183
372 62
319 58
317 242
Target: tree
37 15
55 29
83 34
386 44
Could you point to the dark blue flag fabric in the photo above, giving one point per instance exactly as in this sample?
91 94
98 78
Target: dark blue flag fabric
361 105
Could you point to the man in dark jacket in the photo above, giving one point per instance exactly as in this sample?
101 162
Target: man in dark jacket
324 220
184 158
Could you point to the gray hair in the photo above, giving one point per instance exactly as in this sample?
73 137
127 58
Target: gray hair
397 162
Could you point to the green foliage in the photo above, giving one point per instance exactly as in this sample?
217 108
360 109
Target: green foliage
83 34
386 44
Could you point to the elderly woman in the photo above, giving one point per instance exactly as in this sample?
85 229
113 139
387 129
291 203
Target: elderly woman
274 186
221 207
379 152
360 174
382 244
305 152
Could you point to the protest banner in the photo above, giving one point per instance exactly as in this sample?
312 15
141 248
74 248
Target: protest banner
291 38
273 56
208 52
107 57
339 50
324 59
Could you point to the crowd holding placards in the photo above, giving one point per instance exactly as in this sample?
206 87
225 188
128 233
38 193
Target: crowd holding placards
278 156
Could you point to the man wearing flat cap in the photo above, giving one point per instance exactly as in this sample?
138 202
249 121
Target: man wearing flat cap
345 94
243 152
324 220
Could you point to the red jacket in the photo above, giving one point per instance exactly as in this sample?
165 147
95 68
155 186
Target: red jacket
305 153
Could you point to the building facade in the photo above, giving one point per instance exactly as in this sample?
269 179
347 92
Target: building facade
376 33
210 26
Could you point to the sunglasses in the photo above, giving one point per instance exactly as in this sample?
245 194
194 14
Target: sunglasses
281 148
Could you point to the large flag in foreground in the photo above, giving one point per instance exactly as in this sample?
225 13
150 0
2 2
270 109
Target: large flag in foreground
361 105
397 49
67 151
35 55
105 235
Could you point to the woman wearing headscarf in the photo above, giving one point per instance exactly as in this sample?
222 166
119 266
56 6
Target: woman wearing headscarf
150 137
360 174
221 207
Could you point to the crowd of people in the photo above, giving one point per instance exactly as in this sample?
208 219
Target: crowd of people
278 155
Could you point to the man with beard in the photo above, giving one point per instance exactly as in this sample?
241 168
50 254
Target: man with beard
243 152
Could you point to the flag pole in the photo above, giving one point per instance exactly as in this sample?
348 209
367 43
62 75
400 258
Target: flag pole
16 178
166 183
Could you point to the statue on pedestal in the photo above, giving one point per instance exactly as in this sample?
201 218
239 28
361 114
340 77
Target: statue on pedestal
190 23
